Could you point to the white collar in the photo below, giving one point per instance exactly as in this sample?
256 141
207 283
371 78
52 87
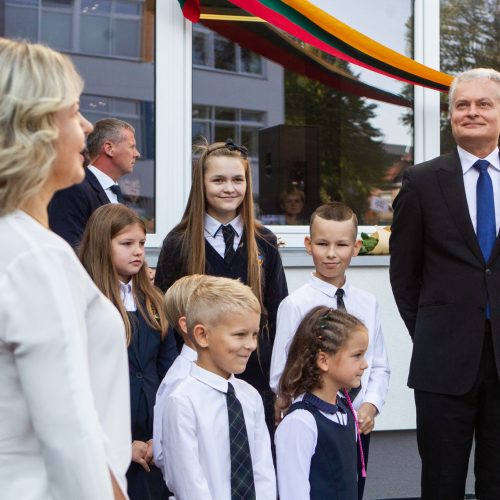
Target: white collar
468 159
211 379
104 179
188 353
212 225
327 288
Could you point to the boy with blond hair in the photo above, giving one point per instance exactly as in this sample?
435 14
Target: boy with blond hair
174 304
332 243
215 440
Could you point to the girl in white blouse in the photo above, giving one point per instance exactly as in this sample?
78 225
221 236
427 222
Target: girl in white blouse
64 401
316 453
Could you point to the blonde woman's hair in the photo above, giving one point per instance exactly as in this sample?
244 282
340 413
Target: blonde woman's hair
106 223
215 297
191 228
177 296
35 83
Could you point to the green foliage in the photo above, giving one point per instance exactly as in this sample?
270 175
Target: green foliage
368 243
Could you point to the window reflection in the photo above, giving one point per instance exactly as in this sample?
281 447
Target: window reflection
112 45
317 128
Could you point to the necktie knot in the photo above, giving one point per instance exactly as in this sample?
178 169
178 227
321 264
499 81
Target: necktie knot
339 295
481 165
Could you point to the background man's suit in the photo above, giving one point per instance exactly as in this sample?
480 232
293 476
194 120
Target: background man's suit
441 284
71 208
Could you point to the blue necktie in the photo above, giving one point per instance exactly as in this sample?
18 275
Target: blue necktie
486 226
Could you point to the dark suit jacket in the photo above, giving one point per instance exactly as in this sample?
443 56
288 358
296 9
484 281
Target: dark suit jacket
439 278
71 208
149 358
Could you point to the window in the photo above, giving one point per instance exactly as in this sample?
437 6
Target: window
218 124
212 50
310 134
111 43
109 28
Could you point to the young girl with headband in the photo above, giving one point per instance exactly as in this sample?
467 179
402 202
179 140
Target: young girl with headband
218 235
112 251
316 441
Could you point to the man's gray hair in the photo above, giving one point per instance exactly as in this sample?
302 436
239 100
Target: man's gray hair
473 74
108 129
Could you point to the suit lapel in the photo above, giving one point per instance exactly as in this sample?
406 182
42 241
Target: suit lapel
496 246
451 180
96 186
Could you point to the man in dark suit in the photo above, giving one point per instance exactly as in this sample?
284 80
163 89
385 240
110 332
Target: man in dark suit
113 152
445 276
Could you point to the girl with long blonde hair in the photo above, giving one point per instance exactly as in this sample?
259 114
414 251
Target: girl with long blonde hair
218 235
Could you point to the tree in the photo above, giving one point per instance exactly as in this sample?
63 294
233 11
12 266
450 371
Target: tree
352 158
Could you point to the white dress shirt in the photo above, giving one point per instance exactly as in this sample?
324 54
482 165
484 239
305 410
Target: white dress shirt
296 438
359 303
179 370
64 388
214 235
196 438
106 182
470 181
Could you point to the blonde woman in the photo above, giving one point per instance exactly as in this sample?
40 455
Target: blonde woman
64 398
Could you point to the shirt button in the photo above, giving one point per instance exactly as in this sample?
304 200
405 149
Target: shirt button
138 374
488 271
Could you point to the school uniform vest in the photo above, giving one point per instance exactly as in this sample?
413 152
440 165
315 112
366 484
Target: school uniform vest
333 473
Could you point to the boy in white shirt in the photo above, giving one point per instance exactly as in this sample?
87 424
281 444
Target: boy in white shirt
215 441
332 243
174 302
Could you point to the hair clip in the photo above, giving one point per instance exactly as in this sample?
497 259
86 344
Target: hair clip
234 147
323 319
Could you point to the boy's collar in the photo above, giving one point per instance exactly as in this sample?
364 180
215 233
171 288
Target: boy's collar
211 379
327 288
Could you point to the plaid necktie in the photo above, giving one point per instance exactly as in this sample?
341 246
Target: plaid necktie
117 190
229 234
242 482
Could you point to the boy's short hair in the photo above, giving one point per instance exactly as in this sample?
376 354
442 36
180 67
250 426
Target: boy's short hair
177 296
337 211
215 297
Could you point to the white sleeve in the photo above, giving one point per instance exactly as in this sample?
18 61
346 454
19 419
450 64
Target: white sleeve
295 440
44 323
287 321
263 468
378 382
184 474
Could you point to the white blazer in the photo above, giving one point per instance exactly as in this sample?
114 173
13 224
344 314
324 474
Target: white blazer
64 389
